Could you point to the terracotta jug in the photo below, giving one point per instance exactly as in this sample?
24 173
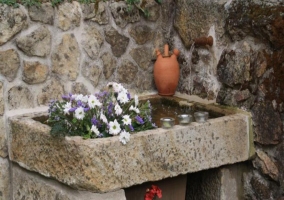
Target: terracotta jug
166 72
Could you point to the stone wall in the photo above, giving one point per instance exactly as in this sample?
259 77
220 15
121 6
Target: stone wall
49 51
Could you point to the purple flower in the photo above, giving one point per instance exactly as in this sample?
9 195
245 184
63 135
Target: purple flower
131 127
110 108
94 121
86 109
67 97
139 119
72 109
128 96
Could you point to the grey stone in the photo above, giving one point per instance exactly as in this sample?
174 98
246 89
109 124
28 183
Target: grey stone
193 19
126 72
117 41
38 187
123 15
266 165
92 72
264 116
9 64
234 67
66 58
145 81
102 165
99 14
20 97
43 13
141 33
34 72
13 21
37 43
79 88
109 64
2 105
5 186
142 56
68 16
3 139
52 91
92 41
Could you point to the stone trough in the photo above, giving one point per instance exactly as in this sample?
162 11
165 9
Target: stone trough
106 165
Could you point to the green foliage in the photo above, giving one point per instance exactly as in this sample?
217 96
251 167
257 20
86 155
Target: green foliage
29 3
10 3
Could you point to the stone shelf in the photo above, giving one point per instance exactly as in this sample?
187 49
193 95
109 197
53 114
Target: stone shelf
105 165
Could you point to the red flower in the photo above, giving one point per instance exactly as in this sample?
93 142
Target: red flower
153 192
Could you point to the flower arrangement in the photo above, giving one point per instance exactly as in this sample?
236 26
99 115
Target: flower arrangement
104 114
152 193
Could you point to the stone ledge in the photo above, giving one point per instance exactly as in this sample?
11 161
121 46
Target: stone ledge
104 165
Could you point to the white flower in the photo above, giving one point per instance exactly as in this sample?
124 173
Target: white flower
79 113
114 127
84 99
67 107
79 97
126 120
136 100
134 109
117 87
117 109
95 130
93 101
122 97
124 137
103 118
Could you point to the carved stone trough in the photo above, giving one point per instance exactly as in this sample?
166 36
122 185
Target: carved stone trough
105 165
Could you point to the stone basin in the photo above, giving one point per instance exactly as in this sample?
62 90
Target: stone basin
104 165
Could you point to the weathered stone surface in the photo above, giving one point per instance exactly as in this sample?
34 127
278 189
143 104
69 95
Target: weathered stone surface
43 13
4 179
261 188
66 58
9 64
239 98
145 81
92 41
266 165
141 33
37 43
109 63
92 72
2 105
3 140
53 90
13 20
20 97
142 56
34 72
123 15
99 14
68 16
152 8
117 41
194 18
38 187
261 19
126 72
79 88
234 67
161 153
264 116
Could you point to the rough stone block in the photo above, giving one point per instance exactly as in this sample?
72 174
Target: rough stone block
3 139
103 165
4 179
42 188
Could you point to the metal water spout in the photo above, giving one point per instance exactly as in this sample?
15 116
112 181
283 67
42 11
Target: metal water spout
203 41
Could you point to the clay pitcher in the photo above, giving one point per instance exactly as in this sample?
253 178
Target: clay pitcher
166 72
